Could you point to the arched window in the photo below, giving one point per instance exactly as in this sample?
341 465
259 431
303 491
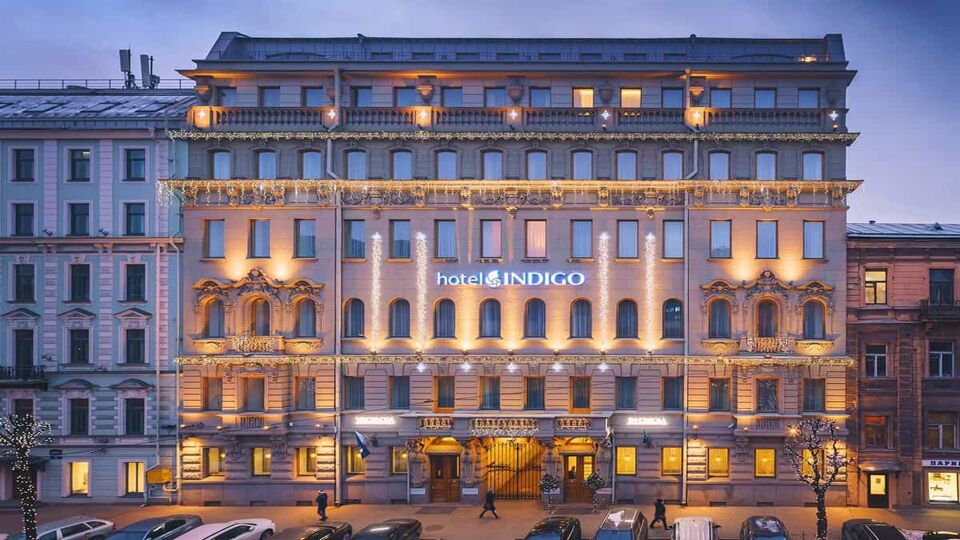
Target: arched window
399 318
813 320
535 319
581 323
490 319
213 328
672 319
260 317
445 319
627 319
719 319
306 318
767 318
353 318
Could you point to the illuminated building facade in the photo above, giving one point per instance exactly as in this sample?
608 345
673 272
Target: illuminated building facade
497 259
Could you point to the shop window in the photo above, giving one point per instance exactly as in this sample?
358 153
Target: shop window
307 461
79 478
718 462
262 461
627 460
942 487
765 463
671 460
398 460
213 461
812 461
355 461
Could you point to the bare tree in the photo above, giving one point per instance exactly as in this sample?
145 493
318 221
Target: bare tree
19 435
814 450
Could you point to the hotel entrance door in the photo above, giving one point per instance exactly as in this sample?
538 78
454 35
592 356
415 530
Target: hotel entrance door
445 478
877 493
577 468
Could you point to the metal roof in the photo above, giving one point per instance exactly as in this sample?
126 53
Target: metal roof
903 230
103 105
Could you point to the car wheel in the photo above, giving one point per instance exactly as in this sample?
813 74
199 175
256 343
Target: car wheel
266 534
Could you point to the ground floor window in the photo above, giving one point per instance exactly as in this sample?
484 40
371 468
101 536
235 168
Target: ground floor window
627 460
79 478
718 462
355 463
398 460
306 461
765 463
261 462
671 460
942 487
213 461
134 471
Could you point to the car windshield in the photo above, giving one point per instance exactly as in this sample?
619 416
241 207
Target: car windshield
127 535
543 536
614 535
17 536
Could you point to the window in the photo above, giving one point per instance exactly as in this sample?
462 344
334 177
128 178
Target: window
23 275
260 317
362 96
539 97
719 324
23 406
581 239
356 165
490 319
446 239
23 168
765 463
305 397
398 460
875 431
79 416
672 393
79 345
494 97
534 391
23 219
814 395
766 166
212 393
259 238
813 320
535 319
306 461
79 283
941 487
671 98
253 393
719 165
399 319
581 324
135 160
672 165
671 460
446 165
399 390
583 97
269 96
875 286
493 165
812 166
768 398
808 98
451 97
626 393
941 359
134 416
719 394
213 238
399 239
628 238
627 320
720 239
23 348
79 219
537 165
444 319
582 165
267 164
875 360
720 98
941 287
490 239
353 237
579 393
627 460
135 219
221 165
305 238
306 323
402 165
405 96
942 430
136 283
672 239
672 319
134 477
355 463
767 318
446 392
79 484
311 164
313 97
765 98
227 97
813 239
490 393
718 462
535 246
353 396
213 461
79 166
626 165
353 318
261 461
767 242
630 98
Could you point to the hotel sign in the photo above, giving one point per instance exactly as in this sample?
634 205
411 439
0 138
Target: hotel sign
374 420
503 427
498 278
948 463
646 421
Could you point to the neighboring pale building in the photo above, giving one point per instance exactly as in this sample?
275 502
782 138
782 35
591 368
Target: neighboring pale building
499 258
86 258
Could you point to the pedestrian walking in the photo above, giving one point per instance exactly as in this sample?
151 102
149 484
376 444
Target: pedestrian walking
322 505
659 514
488 505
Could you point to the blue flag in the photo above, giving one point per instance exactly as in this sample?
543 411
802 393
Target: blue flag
362 443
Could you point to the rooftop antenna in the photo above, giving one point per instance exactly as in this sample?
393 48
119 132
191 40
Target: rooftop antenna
129 80
147 78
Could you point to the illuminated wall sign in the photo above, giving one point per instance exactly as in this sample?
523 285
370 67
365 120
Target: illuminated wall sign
497 278
646 421
951 463
374 420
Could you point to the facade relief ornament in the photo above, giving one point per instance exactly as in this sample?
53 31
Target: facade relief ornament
815 290
767 284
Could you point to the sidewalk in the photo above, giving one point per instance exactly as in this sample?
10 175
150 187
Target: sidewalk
459 522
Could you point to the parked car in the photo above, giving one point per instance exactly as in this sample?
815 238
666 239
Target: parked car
941 535
391 529
158 528
763 528
238 529
868 529
623 524
71 528
555 528
694 528
334 530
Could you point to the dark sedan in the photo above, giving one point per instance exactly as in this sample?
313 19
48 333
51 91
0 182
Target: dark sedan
868 529
158 528
555 528
334 530
391 529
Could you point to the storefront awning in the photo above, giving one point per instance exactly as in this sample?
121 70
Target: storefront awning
880 465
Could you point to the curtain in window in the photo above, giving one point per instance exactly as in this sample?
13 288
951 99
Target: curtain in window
490 318
813 327
445 319
402 165
581 324
400 392
400 318
582 165
312 166
628 239
627 319
400 239
492 166
719 319
535 319
814 394
581 393
536 165
767 398
253 393
446 239
355 239
719 395
267 165
353 319
582 245
767 319
490 237
534 393
214 327
672 319
356 165
306 318
446 165
626 393
766 166
536 238
212 393
490 393
446 392
260 317
306 393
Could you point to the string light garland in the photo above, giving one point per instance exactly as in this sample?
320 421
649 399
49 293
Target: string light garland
21 433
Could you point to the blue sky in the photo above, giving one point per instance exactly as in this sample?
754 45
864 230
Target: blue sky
907 62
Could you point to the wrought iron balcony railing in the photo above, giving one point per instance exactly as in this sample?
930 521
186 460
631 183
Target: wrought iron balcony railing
20 376
768 345
940 309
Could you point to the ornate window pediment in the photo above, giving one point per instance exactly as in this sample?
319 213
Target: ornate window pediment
22 318
768 284
719 288
77 318
256 281
818 290
76 385
133 318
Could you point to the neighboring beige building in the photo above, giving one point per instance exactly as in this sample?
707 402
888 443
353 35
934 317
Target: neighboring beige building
495 259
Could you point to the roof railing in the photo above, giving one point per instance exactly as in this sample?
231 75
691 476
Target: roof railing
89 84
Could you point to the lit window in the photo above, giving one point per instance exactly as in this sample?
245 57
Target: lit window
765 463
536 238
943 487
811 461
213 461
718 462
720 239
719 165
581 241
355 462
582 165
583 97
490 238
261 461
398 460
79 478
875 431
671 460
812 166
306 461
875 286
672 165
766 239
766 165
259 238
672 239
267 165
630 98
627 460
402 165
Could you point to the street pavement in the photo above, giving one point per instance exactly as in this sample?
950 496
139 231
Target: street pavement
460 522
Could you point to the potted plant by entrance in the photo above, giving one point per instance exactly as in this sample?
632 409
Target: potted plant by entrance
594 483
549 484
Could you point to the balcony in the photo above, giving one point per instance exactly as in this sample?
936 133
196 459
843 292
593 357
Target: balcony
256 344
23 377
789 120
768 345
940 310
764 425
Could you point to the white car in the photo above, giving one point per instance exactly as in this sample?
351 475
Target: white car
238 529
694 528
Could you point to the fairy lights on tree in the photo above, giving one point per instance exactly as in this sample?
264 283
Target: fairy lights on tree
19 435
818 458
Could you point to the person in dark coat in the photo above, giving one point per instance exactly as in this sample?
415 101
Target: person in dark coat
322 505
488 505
659 514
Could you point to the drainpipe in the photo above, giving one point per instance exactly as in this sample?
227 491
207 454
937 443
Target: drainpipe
337 293
178 306
686 297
